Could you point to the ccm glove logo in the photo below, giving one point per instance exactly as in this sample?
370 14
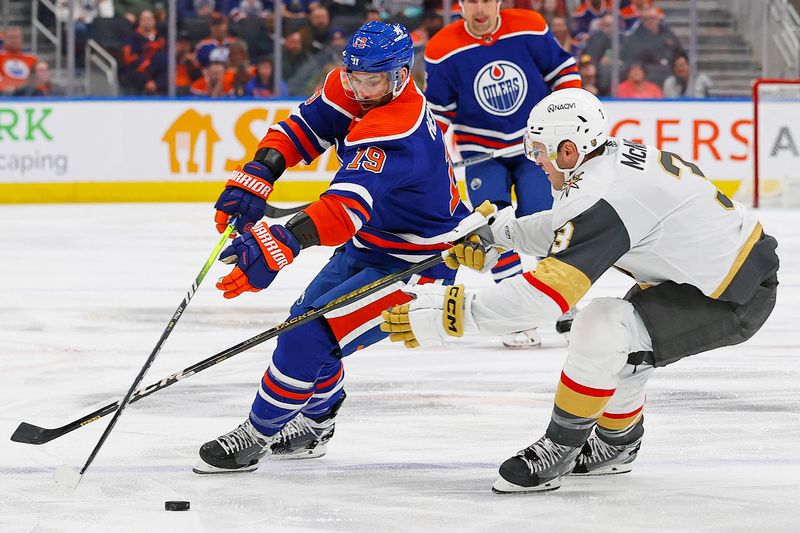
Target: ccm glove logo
453 315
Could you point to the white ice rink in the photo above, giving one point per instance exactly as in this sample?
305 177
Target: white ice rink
86 290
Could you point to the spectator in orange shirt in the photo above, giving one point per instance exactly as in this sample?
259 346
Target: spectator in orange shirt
636 86
187 68
240 71
15 65
213 83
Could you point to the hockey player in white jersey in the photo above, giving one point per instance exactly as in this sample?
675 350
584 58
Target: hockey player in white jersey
705 273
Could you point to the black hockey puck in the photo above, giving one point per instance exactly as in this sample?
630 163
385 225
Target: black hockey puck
176 506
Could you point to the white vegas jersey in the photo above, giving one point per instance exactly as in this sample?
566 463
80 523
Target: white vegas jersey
646 212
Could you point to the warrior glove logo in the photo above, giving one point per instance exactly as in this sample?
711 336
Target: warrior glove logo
500 88
274 252
360 42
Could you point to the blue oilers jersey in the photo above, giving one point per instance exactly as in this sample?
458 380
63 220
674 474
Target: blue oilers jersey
485 86
395 193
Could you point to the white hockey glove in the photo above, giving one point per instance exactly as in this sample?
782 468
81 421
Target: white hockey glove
476 249
437 312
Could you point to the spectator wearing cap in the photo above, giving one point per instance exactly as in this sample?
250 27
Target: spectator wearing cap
187 68
214 83
653 45
585 14
262 85
678 86
216 47
40 83
15 65
636 86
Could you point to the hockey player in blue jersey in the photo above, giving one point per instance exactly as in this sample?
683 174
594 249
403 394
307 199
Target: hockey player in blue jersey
392 203
484 74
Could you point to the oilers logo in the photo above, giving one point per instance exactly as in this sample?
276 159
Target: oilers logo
500 87
16 69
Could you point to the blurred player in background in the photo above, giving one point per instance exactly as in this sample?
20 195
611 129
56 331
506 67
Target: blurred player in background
484 74
705 272
392 203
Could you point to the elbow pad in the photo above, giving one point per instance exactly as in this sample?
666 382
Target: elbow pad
272 159
303 228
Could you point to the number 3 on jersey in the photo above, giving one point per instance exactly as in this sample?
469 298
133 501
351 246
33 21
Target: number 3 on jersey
371 159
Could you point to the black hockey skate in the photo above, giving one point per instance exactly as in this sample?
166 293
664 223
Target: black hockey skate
237 451
537 468
598 458
305 437
564 322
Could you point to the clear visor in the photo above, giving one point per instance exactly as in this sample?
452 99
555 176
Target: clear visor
533 148
366 86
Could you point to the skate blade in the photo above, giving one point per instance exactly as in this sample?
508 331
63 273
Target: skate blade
305 454
513 345
204 468
609 471
501 486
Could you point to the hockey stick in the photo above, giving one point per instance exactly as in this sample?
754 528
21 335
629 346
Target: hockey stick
31 434
513 150
170 326
270 211
277 212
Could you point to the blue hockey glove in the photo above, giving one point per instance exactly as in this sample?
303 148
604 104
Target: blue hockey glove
245 195
259 255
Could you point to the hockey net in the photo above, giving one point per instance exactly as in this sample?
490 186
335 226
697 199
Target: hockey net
776 143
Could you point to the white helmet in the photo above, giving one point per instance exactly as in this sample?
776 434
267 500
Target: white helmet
567 115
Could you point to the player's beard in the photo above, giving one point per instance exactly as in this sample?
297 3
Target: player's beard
367 105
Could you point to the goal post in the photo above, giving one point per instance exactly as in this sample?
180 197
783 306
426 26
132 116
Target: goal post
776 142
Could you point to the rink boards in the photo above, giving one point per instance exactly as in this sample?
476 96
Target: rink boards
66 150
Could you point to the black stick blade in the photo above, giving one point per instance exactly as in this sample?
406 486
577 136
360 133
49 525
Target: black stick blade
30 434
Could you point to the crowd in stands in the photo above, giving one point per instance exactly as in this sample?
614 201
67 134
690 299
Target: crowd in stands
225 48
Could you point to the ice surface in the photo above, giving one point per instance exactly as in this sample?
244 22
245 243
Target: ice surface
86 290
